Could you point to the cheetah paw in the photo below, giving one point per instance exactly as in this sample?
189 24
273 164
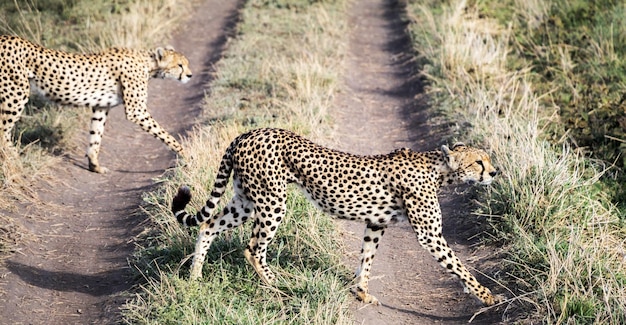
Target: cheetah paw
366 298
498 299
98 169
101 170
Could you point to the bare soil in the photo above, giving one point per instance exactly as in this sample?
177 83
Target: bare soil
74 268
75 271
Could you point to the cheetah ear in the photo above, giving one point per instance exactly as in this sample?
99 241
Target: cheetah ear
159 53
458 144
449 157
169 48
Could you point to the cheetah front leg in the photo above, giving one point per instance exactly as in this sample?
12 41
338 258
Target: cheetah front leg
428 229
371 239
143 118
135 97
448 260
96 129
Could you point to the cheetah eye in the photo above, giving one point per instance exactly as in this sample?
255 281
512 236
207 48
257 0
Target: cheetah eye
479 162
180 65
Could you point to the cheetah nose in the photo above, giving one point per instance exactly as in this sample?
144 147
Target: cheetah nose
189 76
495 172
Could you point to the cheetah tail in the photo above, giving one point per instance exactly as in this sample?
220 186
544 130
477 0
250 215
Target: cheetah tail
183 196
179 203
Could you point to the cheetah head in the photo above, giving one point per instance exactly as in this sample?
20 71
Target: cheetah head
469 165
171 64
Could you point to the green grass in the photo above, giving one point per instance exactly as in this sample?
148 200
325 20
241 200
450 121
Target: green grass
503 71
281 70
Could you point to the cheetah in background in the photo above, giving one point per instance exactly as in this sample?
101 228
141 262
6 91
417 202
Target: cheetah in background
374 189
98 80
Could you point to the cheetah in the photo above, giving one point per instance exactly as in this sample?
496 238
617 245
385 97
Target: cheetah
377 190
97 80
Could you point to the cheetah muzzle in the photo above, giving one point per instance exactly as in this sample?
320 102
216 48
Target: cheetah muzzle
374 189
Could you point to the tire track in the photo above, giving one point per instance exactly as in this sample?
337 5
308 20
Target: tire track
384 108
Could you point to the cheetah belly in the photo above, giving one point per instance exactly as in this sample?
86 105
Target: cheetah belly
382 212
105 96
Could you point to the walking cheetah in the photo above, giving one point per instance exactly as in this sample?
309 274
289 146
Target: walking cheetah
374 189
98 80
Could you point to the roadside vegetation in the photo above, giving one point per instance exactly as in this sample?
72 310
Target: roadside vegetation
46 130
541 84
281 70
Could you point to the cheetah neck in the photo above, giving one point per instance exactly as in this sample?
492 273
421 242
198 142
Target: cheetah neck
447 179
155 70
434 161
447 176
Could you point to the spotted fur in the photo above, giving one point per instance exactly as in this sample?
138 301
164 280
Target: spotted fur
374 189
100 81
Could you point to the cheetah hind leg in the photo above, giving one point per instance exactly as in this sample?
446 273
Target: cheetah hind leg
235 213
8 152
96 129
371 238
202 246
7 149
266 275
364 296
256 252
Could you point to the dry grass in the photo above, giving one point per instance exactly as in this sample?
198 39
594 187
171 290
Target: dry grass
88 26
11 234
